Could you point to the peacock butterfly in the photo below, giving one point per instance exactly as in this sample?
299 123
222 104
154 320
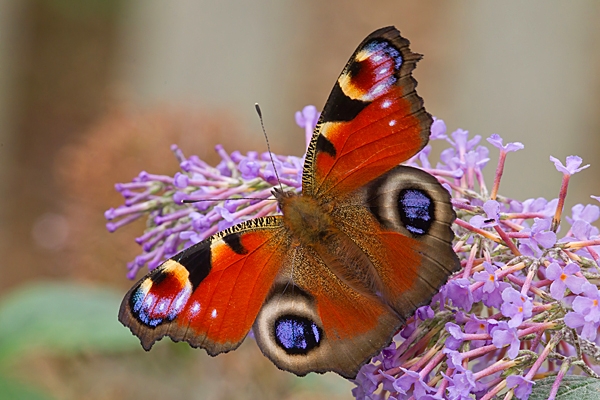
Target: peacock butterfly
326 284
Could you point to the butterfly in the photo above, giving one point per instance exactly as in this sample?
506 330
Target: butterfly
327 284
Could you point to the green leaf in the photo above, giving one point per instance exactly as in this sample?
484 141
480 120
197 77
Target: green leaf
62 318
571 387
11 389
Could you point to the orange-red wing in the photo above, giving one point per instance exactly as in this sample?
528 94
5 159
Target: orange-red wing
209 294
372 121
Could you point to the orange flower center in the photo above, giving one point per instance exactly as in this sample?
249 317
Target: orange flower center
563 276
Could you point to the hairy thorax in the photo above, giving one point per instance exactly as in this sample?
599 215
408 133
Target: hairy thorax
307 220
310 223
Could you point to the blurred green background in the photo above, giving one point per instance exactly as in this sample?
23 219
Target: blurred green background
94 91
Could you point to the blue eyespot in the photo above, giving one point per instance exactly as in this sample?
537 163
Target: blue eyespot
297 335
387 49
152 309
416 210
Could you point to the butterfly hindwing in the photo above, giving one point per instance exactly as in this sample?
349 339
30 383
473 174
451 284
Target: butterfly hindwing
209 294
372 121
312 321
403 221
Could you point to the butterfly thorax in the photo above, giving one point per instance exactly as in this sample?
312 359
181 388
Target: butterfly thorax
308 220
311 225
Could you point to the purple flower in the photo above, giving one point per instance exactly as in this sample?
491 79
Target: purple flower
496 141
461 141
201 199
450 162
516 306
366 381
459 291
540 206
504 335
425 313
477 159
585 317
307 119
461 385
429 397
249 168
541 236
414 380
583 216
572 167
456 336
523 386
488 276
423 157
455 359
174 224
588 213
438 129
492 212
582 230
477 325
563 278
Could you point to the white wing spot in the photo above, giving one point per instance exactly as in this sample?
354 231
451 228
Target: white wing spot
377 58
195 308
149 300
378 89
386 104
383 71
392 122
213 314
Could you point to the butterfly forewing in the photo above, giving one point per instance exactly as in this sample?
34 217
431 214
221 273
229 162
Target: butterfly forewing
209 294
372 121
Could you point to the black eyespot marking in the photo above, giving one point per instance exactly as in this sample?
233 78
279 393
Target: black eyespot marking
197 260
297 335
324 145
235 244
355 68
341 108
416 210
158 277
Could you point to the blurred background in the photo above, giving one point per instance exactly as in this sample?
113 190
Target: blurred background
94 91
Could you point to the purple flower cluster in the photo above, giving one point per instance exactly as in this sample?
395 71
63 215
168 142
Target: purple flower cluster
199 201
524 306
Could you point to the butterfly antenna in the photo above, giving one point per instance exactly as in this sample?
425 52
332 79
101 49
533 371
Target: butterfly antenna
259 112
188 201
